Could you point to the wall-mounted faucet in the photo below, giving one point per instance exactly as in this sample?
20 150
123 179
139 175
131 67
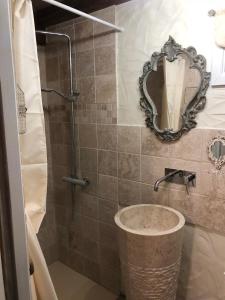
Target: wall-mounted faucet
165 178
177 176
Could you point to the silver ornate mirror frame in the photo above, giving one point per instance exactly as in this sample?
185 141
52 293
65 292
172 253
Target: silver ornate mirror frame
219 162
171 50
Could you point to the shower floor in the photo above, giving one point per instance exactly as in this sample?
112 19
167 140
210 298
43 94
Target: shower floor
70 285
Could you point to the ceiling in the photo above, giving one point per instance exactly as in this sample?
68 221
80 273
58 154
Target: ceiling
46 14
39 4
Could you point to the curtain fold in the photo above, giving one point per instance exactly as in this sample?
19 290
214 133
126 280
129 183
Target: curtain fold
219 28
32 143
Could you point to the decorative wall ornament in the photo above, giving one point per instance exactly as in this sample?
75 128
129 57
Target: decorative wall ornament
216 151
21 110
171 103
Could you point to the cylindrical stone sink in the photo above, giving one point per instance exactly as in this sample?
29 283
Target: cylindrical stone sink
150 242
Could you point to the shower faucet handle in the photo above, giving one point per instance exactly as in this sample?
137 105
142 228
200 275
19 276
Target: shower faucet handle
189 179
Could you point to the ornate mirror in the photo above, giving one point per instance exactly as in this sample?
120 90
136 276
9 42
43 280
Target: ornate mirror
216 151
173 88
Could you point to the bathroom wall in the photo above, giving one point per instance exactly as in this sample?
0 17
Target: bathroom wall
149 23
87 237
123 159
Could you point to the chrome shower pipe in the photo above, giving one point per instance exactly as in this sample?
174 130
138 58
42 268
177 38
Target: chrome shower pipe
81 182
69 54
69 98
72 96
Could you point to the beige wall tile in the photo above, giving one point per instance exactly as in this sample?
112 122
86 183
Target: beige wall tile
88 160
65 88
189 147
76 233
89 204
129 138
107 162
86 88
129 166
62 215
63 67
110 268
61 154
107 137
90 229
66 129
88 135
129 192
92 187
193 206
56 130
108 236
107 211
52 69
107 113
148 195
90 250
152 168
106 89
87 113
205 183
152 145
107 187
105 60
62 194
59 171
85 63
219 183
177 199
103 35
216 214
84 36
196 210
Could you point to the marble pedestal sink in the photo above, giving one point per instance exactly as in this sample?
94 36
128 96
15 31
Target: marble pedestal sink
150 242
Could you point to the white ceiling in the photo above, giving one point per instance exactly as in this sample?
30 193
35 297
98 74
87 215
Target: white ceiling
39 4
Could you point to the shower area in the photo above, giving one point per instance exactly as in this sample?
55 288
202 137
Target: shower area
78 81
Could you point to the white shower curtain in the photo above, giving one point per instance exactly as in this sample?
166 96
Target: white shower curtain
219 28
32 143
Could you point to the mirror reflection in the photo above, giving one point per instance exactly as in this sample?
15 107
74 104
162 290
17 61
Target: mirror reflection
218 150
171 87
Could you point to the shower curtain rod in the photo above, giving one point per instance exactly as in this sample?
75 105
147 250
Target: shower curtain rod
80 13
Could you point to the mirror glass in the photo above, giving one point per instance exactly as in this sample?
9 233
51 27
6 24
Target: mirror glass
171 87
218 149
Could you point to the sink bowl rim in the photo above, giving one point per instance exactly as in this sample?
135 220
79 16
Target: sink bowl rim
179 225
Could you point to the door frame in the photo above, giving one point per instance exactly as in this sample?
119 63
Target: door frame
12 170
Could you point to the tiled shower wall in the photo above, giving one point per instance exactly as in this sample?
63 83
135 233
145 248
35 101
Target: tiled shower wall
91 244
122 163
87 237
48 234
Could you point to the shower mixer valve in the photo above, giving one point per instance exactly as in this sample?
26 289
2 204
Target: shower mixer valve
177 176
189 179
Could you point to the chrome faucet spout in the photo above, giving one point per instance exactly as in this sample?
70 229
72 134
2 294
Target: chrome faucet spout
164 178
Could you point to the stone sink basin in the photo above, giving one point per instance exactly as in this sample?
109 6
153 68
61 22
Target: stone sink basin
150 243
